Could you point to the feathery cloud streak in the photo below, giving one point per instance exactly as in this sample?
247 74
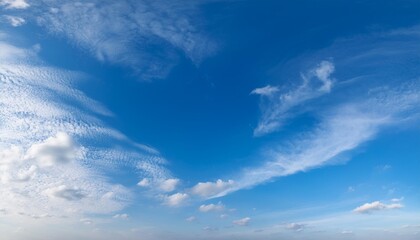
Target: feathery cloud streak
142 35
349 123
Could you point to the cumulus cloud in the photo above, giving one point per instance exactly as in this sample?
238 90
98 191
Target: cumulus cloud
145 182
15 21
242 222
376 206
65 192
396 200
59 149
169 185
276 109
212 207
209 189
176 199
14 4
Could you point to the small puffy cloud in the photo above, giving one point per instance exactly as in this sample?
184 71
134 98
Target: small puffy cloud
175 199
298 227
17 4
397 199
58 149
347 232
223 216
212 207
376 206
209 189
15 21
242 221
323 73
265 91
65 192
191 219
351 189
121 216
145 182
169 185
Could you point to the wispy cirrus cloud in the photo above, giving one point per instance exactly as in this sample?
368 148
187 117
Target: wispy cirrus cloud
49 163
277 105
242 222
146 36
14 20
345 123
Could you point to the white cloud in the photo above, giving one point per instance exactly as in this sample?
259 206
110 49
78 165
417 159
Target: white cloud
396 200
242 222
59 149
265 91
298 227
65 192
210 189
376 206
26 175
145 182
277 108
176 199
15 21
212 207
121 216
16 4
191 219
323 73
341 130
169 185
121 32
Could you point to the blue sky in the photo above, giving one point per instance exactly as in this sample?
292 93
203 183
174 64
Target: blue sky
209 119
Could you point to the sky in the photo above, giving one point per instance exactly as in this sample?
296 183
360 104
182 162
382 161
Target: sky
209 119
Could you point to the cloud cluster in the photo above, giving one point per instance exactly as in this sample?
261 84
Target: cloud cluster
14 4
146 36
54 150
212 207
210 189
376 206
176 199
277 105
344 123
